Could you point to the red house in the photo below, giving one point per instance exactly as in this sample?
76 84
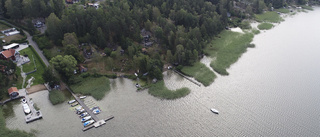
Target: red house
9 54
13 92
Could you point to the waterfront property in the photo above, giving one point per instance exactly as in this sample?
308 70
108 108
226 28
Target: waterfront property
13 92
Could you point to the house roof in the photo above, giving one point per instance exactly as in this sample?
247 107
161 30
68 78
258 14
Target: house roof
8 53
12 89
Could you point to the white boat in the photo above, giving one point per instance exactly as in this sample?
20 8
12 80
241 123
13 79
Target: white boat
23 100
78 108
82 97
96 111
84 114
85 119
88 123
214 111
71 101
26 108
80 111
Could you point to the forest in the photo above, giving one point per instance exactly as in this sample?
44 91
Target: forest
148 33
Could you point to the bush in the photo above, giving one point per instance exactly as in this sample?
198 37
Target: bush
85 75
245 25
265 26
159 90
56 97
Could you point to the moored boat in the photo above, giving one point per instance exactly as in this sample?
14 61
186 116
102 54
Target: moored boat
82 97
88 123
26 108
85 119
80 111
96 111
84 114
78 108
74 104
23 100
71 101
214 111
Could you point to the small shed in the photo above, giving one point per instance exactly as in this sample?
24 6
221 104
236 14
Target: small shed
13 92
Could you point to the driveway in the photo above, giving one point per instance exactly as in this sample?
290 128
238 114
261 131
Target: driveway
35 46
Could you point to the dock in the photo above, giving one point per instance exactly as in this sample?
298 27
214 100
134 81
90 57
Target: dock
34 114
191 80
97 122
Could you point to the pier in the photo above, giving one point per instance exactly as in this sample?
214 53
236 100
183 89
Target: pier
97 122
34 114
191 80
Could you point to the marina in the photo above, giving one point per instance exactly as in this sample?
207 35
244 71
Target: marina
83 108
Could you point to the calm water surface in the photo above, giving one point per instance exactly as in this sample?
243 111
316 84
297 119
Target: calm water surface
273 90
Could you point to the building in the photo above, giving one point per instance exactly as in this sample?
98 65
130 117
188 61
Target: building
10 54
11 46
13 92
83 69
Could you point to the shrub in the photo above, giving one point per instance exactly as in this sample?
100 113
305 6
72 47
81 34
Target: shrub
56 97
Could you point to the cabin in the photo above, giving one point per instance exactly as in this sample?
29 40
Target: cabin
10 54
13 92
82 69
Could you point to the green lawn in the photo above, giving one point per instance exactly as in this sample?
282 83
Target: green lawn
269 16
30 66
4 26
200 72
96 87
265 26
161 91
227 48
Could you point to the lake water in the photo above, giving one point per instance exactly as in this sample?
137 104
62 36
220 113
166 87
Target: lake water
273 90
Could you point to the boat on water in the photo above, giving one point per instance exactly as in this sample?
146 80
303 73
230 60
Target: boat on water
93 108
74 104
88 123
78 108
214 111
82 97
84 114
23 100
85 119
80 111
71 101
26 108
96 111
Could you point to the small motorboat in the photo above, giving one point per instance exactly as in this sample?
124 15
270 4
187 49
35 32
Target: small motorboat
85 119
82 97
84 114
78 108
94 108
23 100
71 101
80 111
214 111
26 108
74 104
88 123
96 111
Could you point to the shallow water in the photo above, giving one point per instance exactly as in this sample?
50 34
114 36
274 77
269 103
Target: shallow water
273 90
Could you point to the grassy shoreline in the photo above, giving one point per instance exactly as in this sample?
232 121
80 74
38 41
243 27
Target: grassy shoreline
161 91
95 87
227 49
265 26
200 72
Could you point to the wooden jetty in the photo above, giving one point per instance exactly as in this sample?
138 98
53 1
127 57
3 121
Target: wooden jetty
98 123
191 80
35 114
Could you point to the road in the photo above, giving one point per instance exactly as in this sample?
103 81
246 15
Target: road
35 46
